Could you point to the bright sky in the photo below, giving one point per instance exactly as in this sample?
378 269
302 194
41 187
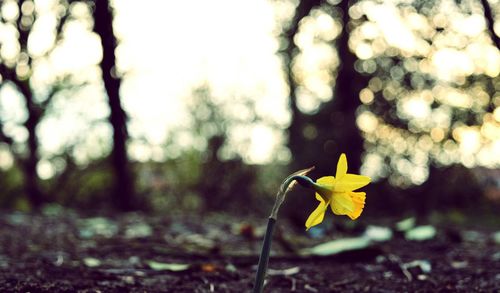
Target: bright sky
166 49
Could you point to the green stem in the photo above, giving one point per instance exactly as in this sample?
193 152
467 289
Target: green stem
264 257
266 244
286 186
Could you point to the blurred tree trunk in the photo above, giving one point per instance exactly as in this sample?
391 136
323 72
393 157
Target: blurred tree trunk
298 119
339 116
123 195
30 162
30 159
334 124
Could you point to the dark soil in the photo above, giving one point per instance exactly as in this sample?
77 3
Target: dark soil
60 251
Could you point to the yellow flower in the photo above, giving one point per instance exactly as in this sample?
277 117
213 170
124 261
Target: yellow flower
338 193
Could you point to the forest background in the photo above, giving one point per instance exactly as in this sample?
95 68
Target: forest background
193 107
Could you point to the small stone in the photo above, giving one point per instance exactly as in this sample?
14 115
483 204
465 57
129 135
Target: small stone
459 264
128 280
422 277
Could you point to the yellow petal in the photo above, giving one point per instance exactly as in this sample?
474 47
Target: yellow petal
341 166
316 217
327 180
342 204
359 203
324 187
351 182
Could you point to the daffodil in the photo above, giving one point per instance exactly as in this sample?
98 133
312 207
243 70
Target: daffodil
338 193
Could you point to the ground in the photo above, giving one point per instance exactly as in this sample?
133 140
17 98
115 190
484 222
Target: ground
64 251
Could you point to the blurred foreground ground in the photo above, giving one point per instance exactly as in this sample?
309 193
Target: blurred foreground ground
62 251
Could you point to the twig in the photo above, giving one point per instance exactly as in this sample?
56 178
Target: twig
310 288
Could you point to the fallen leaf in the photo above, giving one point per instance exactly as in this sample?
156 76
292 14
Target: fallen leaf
91 262
496 237
339 245
284 272
231 268
174 267
138 230
421 233
405 224
98 226
377 233
208 268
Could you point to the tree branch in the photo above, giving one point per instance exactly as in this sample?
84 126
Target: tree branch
10 75
490 23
